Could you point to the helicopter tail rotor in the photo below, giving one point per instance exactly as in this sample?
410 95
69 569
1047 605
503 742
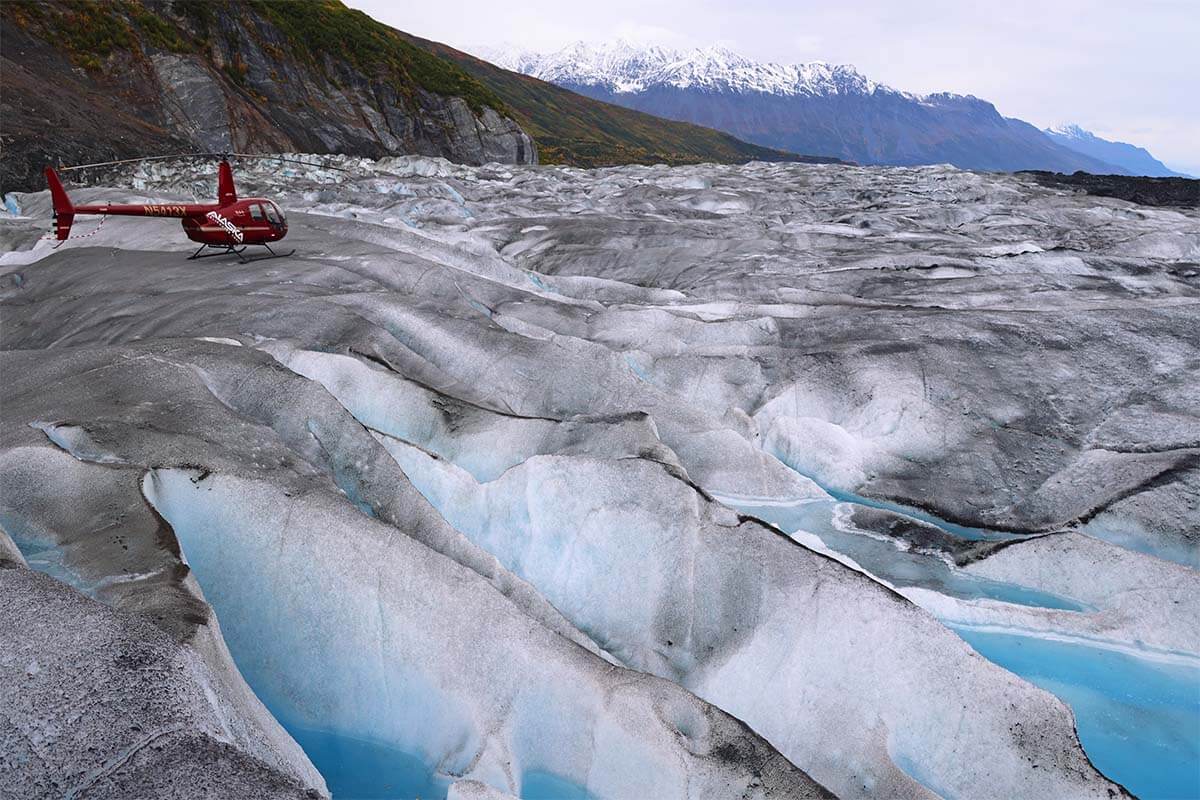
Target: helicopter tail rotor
64 211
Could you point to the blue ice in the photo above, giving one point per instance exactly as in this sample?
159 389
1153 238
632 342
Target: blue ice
901 568
353 768
1131 538
360 769
1138 717
961 531
536 785
49 558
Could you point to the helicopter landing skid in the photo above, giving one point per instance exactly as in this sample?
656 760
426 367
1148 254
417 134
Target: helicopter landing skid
228 249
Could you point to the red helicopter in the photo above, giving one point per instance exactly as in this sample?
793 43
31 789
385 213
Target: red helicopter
228 226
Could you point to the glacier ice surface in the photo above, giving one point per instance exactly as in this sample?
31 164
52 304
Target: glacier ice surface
972 398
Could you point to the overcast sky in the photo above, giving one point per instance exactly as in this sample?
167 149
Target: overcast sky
1125 70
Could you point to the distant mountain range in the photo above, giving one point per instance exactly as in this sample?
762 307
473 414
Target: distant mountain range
1133 159
819 108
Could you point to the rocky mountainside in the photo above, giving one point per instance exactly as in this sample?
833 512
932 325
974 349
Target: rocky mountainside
1135 160
805 108
87 82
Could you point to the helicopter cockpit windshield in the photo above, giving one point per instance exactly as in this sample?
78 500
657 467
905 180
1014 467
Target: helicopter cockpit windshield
274 215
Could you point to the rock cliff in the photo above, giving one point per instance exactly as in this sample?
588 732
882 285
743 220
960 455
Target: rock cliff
89 82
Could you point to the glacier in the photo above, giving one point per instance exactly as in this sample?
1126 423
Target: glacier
771 480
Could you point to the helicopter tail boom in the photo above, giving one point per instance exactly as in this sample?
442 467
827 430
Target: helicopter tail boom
64 211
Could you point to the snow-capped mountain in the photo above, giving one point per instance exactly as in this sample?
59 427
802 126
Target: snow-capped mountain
622 67
1136 160
814 107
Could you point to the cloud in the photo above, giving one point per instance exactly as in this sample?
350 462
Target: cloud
809 46
639 33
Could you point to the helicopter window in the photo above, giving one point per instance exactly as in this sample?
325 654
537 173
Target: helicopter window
272 213
256 212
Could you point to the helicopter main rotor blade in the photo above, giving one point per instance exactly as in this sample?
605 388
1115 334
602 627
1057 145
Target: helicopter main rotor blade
133 160
200 155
